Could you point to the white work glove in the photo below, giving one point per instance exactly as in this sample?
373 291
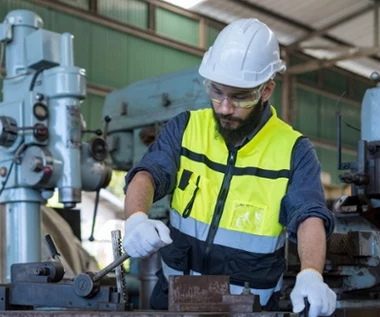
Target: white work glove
309 284
144 236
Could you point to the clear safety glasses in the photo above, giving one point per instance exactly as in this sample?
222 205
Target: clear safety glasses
238 97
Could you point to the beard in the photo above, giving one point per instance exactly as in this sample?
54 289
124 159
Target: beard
235 136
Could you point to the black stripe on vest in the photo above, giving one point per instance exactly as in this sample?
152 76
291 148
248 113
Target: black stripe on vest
186 253
237 171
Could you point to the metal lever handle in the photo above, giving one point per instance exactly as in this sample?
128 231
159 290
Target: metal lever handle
53 249
110 267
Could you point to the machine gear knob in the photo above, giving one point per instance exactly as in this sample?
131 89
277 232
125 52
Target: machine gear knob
84 285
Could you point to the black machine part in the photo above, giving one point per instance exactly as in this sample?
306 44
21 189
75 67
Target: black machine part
41 284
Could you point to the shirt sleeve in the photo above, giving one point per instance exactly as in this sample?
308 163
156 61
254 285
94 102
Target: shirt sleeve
162 157
305 196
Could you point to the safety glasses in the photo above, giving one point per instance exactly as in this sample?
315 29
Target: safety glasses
238 97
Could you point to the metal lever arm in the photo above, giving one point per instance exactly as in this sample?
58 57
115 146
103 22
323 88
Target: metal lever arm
110 267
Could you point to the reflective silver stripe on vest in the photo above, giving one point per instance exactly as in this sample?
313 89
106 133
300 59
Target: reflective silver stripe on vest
265 294
233 239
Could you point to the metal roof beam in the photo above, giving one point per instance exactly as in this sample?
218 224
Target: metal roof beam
307 66
287 20
323 63
328 27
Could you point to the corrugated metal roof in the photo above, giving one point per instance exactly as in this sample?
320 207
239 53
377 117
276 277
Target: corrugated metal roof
293 19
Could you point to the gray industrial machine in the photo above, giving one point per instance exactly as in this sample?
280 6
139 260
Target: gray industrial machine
41 130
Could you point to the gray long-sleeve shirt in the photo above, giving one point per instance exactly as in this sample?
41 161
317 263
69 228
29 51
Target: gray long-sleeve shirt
304 198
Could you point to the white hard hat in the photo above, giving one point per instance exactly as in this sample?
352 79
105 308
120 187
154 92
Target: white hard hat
245 54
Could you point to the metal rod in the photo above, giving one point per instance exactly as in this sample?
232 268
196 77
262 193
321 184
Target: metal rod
323 63
110 267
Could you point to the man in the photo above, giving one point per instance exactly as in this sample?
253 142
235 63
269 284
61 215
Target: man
240 179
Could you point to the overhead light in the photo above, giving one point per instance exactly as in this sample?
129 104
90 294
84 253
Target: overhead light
186 4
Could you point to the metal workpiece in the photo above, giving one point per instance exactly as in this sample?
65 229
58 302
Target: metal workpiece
208 294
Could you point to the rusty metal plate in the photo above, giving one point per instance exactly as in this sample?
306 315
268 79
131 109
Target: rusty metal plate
208 293
338 244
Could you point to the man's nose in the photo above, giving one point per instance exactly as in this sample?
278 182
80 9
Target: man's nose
226 107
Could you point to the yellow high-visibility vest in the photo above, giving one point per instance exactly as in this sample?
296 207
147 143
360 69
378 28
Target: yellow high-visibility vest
249 183
225 207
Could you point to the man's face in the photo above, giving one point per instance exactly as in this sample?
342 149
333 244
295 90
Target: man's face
237 111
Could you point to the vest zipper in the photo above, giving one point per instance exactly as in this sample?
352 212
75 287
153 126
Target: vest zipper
220 202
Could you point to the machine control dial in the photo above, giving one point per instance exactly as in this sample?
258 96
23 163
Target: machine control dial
37 166
8 131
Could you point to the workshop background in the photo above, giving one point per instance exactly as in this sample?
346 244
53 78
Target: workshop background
330 53
120 42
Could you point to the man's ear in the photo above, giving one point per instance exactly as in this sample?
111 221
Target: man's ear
268 90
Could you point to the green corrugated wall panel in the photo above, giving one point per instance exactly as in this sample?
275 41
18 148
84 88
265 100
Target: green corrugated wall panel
92 109
351 114
83 36
9 5
360 89
316 117
328 124
82 4
94 49
327 118
135 59
275 99
177 27
307 115
310 78
147 59
329 162
335 82
127 11
211 34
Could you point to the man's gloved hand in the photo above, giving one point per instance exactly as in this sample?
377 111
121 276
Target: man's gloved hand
309 284
144 236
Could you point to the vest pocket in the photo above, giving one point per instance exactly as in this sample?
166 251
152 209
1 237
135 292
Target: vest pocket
186 192
189 206
249 217
194 196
